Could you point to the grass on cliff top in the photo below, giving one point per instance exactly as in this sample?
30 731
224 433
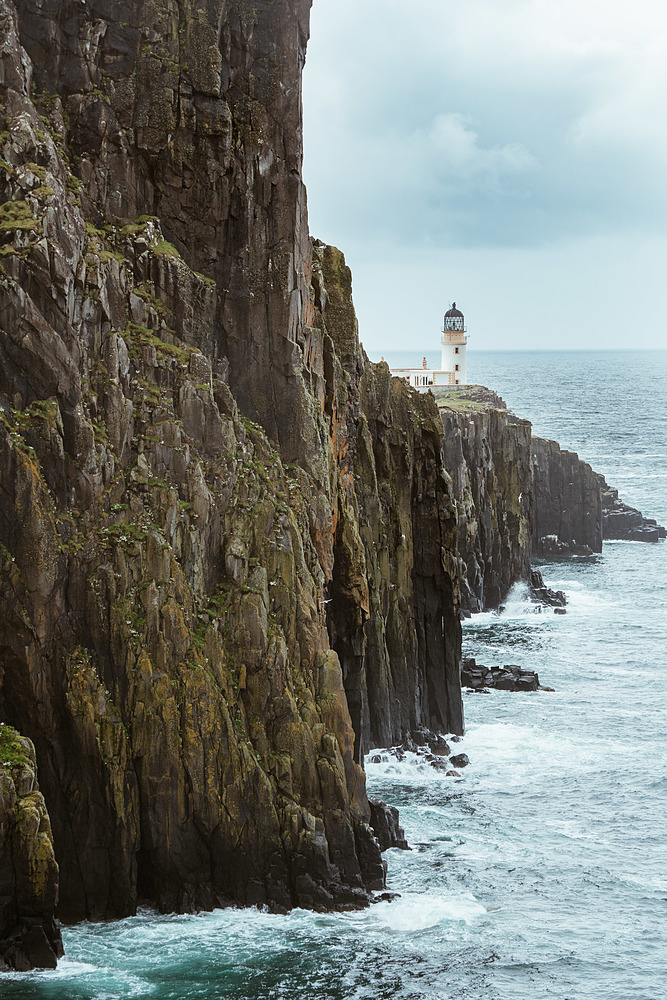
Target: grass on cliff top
456 400
12 751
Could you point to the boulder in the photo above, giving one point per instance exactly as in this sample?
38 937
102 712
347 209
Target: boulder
460 760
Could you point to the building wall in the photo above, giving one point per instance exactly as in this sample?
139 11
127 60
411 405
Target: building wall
424 378
450 359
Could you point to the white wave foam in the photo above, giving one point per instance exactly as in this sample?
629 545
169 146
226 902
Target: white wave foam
414 912
109 982
515 754
629 541
517 606
413 770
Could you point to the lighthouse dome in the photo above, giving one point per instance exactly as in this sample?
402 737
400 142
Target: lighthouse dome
454 321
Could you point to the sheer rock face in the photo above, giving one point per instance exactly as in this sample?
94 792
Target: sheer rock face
192 112
488 454
567 502
393 616
226 539
29 935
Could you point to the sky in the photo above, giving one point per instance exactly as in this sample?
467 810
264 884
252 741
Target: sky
510 155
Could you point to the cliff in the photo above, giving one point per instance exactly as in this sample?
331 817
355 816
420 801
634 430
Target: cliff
394 590
487 450
575 509
234 552
29 936
518 495
568 502
227 539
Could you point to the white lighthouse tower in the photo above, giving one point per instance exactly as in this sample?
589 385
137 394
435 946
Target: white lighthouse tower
454 342
453 368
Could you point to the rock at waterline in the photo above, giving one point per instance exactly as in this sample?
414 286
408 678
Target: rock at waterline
425 738
386 827
541 594
460 760
511 677
417 744
620 522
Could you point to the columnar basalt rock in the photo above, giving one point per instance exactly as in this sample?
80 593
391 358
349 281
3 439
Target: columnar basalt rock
394 590
575 509
233 551
191 112
163 629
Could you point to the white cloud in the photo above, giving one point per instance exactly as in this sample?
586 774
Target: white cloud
454 151
479 126
555 105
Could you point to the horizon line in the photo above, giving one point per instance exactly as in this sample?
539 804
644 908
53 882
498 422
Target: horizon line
524 350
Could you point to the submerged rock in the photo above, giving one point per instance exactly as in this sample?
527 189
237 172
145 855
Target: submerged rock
386 897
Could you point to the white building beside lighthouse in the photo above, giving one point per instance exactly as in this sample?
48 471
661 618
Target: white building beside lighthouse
453 370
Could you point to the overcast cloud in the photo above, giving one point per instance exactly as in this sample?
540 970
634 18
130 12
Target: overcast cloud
510 155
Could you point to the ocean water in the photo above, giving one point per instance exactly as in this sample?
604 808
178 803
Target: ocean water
542 871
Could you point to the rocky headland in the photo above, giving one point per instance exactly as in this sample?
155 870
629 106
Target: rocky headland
234 553
570 507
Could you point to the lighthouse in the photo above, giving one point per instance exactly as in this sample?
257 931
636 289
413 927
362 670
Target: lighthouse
452 371
454 342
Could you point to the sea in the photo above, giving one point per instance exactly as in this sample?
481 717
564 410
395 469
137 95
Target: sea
541 871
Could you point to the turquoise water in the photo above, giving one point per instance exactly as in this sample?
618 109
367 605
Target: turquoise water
542 871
